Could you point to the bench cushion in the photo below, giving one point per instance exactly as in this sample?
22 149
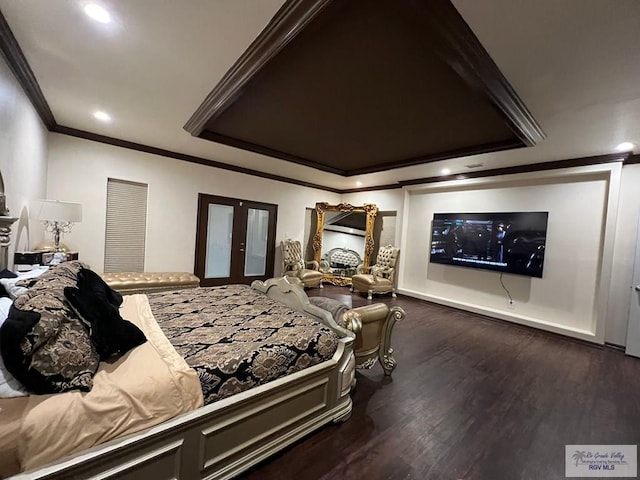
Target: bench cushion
143 282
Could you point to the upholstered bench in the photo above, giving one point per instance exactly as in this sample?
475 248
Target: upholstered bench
148 282
373 339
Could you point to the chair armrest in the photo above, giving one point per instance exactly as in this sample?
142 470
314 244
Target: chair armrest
375 312
314 265
390 273
293 266
352 321
382 272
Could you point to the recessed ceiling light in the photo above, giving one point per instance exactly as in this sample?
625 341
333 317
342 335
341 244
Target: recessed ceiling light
445 171
98 13
625 146
358 183
103 117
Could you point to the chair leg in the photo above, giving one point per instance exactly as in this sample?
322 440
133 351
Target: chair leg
393 293
370 295
351 289
321 285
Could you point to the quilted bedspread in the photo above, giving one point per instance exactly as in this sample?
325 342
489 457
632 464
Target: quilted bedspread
236 338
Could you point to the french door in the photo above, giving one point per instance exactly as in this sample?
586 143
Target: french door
235 240
633 329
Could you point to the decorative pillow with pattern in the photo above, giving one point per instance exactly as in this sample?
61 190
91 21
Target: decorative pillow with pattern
43 342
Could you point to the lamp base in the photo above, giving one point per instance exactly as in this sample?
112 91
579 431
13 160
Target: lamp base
50 246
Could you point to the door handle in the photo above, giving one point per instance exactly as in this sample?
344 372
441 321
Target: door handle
637 288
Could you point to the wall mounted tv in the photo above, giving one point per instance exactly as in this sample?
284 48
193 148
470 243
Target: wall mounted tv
505 242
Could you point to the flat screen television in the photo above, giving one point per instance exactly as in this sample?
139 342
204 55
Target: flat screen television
511 242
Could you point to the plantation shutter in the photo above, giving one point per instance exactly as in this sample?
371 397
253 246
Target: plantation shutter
126 226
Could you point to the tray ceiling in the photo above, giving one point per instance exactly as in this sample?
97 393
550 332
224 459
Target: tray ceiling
364 86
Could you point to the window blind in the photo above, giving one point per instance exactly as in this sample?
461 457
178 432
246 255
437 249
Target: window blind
126 226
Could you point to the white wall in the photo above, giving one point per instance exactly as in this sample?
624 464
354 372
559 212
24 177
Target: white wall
78 172
23 163
614 317
572 295
388 200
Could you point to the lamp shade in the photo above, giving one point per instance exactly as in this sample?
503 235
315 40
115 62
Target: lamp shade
56 211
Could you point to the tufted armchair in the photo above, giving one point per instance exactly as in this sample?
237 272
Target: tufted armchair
382 276
293 264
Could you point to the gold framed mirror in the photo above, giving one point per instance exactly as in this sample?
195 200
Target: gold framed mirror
343 242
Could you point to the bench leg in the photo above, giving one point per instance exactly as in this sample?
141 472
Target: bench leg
388 362
385 354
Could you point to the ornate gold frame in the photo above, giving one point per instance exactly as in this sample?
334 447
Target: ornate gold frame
370 210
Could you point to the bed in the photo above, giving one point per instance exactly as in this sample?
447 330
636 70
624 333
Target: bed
216 432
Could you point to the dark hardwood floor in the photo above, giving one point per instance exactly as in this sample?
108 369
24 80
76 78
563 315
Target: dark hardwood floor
471 398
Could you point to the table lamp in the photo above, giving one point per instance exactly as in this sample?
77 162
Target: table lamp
56 216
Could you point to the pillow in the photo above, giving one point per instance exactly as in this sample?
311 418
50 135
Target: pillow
110 333
7 274
5 306
43 342
15 289
9 386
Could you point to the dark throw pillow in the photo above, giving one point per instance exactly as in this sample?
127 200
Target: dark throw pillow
110 333
90 281
7 274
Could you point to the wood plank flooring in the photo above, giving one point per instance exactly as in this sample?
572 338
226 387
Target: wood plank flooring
471 398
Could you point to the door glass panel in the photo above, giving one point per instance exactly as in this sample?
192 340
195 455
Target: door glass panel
255 257
219 235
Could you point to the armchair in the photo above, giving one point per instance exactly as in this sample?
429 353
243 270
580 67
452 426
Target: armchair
373 326
293 265
382 276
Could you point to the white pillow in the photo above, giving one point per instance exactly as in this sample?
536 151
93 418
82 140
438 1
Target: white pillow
9 386
14 291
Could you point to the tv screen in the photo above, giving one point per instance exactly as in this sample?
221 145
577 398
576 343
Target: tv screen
505 242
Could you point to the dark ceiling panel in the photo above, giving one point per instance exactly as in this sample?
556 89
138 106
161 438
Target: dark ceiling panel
366 86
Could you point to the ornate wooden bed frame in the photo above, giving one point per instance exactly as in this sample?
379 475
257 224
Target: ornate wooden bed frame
221 440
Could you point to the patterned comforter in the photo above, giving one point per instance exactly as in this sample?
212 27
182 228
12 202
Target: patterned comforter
236 338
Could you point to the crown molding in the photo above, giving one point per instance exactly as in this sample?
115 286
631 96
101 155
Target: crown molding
21 69
632 159
532 167
94 137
